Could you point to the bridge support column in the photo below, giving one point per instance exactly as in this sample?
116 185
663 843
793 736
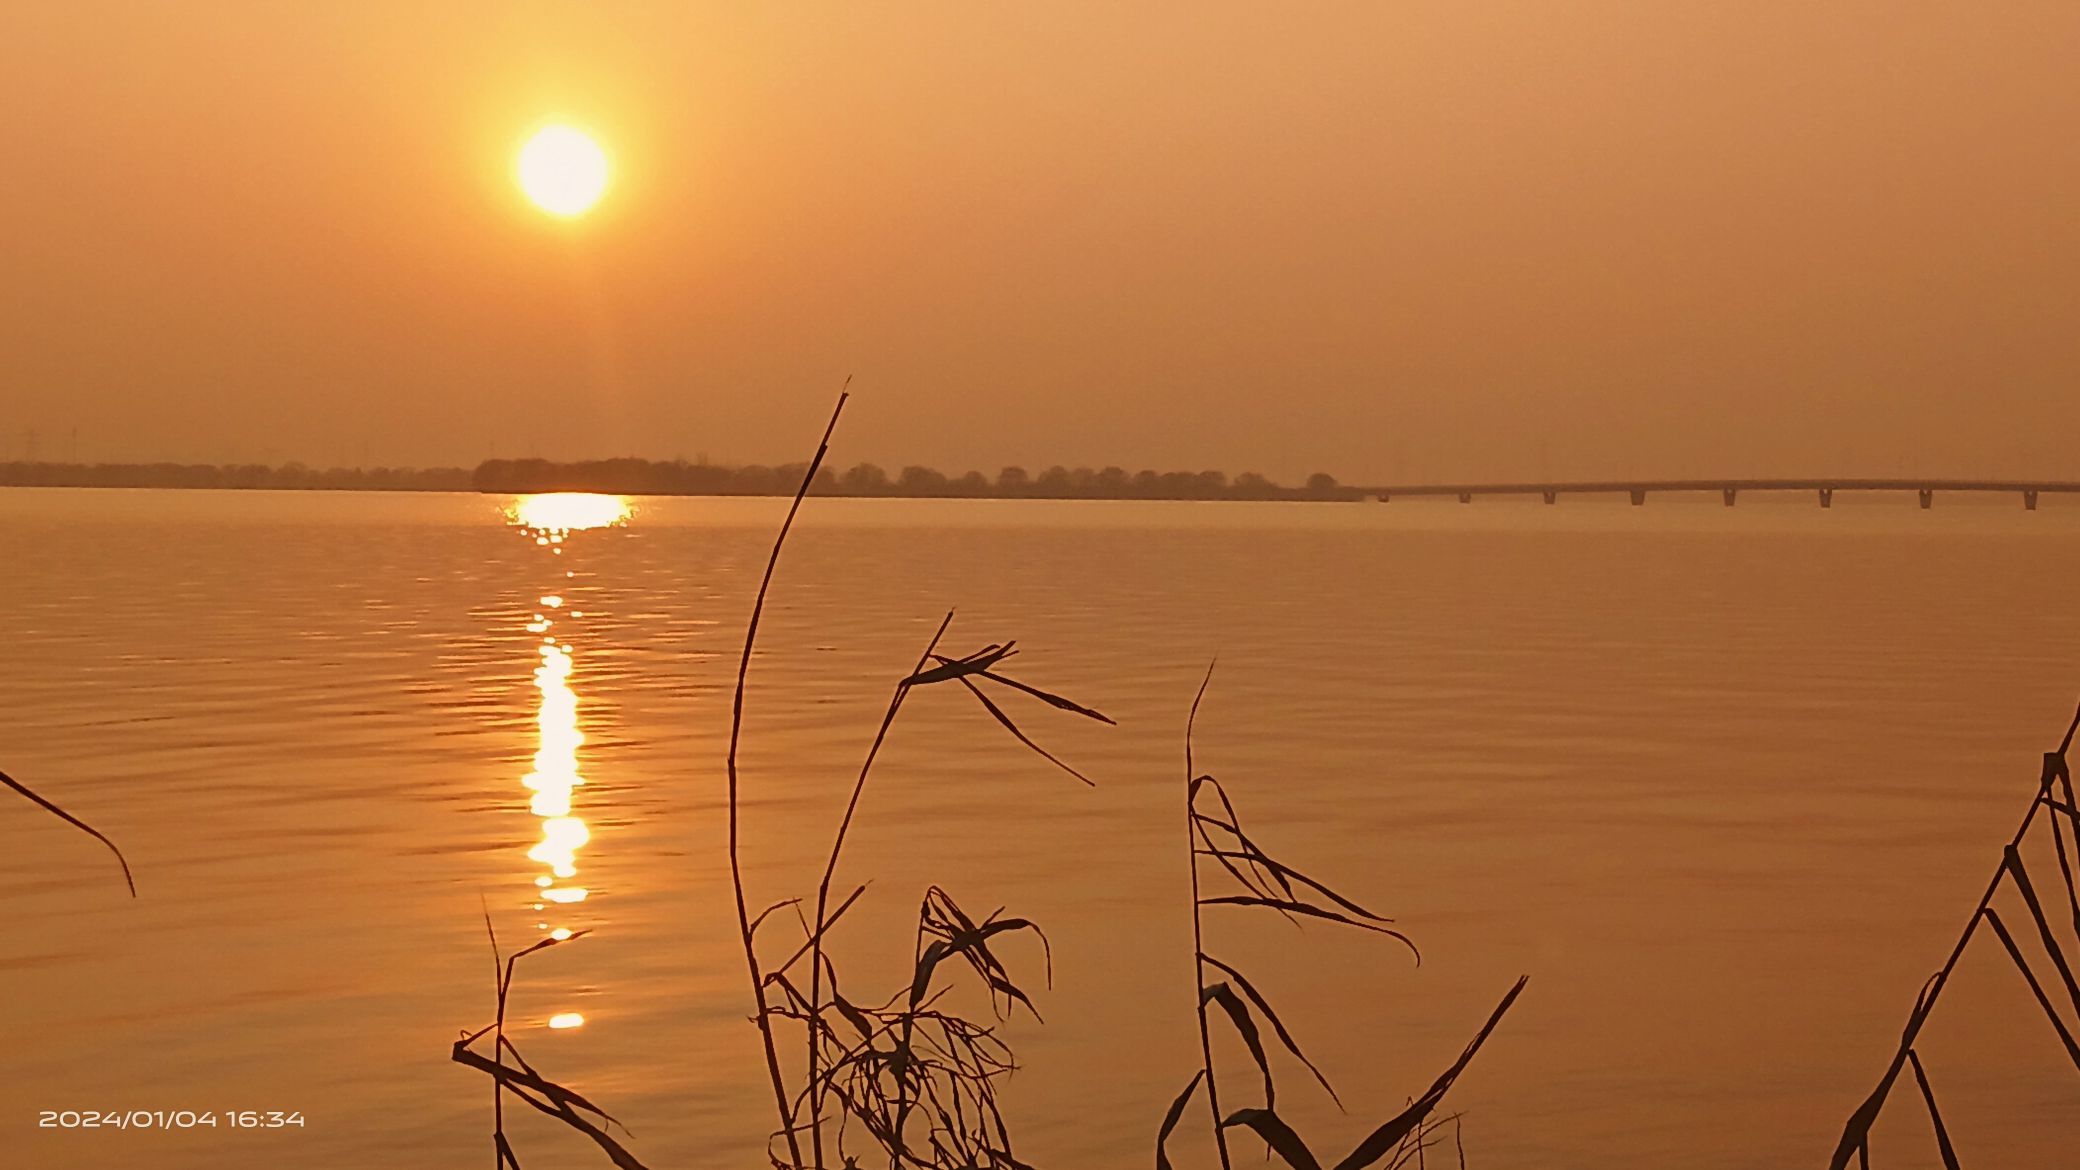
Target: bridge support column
1384 498
1638 497
1928 497
1727 494
1552 496
1466 497
2029 499
1827 497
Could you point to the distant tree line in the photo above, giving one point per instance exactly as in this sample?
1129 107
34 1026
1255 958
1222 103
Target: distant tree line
242 475
680 478
643 477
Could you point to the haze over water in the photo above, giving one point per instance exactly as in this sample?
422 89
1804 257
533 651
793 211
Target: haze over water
1722 782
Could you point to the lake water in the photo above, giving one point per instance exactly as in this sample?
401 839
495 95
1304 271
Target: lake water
1723 782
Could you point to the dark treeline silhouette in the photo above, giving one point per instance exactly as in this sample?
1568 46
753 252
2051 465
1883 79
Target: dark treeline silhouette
680 478
643 477
294 476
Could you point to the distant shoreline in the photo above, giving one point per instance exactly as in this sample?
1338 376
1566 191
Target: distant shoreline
640 477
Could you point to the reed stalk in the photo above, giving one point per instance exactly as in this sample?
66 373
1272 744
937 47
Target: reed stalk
1214 829
736 732
1191 829
830 869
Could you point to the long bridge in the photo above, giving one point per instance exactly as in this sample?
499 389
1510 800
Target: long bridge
1729 489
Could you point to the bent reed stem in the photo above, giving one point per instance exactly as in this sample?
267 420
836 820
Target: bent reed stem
1213 1093
736 730
823 888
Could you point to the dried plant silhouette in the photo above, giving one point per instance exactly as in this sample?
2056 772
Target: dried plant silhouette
520 1078
76 823
2054 797
1214 830
910 1072
929 1098
917 1077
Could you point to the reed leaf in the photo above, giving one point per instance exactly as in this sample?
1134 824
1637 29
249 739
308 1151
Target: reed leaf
1286 871
2020 875
1386 1137
1311 910
997 713
958 936
524 1082
2069 809
1171 1118
1245 1027
1935 1115
1278 1027
2065 1035
1276 1134
552 1099
76 823
1050 698
953 668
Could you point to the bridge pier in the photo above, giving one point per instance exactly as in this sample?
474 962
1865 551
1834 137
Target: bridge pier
2029 499
1466 497
1727 494
1928 498
1551 496
1386 498
1827 497
1639 496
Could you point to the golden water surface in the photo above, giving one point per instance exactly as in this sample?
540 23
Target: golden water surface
1724 783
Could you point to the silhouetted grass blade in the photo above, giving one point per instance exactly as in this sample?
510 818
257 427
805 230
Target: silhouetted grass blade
1049 697
1310 910
953 668
76 823
1277 1026
1935 1116
997 713
1285 871
1171 1118
782 904
2020 875
1387 1136
552 1099
1276 1134
1245 1027
2065 1035
830 921
959 936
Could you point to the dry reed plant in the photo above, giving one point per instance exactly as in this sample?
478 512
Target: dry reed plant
1257 880
2054 797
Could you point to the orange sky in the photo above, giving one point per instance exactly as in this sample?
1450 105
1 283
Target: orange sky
1388 240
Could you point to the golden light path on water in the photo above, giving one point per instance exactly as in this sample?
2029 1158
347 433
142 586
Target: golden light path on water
548 520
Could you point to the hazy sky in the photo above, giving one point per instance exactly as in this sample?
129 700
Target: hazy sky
1388 240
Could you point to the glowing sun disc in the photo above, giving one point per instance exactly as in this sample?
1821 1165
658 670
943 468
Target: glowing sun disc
562 171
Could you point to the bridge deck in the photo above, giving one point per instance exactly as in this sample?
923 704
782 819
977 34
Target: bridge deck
1728 488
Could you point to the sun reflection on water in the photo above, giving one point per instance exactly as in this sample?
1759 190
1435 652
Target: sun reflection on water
551 516
553 782
555 777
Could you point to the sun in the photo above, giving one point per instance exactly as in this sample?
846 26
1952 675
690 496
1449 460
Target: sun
562 170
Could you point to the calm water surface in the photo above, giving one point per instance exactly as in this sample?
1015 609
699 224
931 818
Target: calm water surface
1722 782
